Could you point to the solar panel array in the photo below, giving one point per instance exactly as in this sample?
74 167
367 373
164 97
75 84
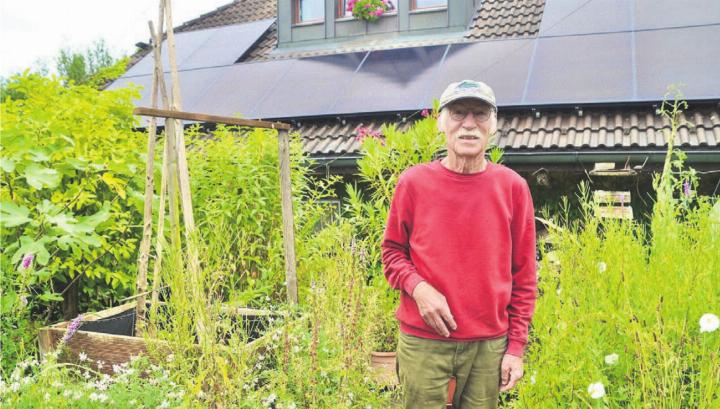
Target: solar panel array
588 52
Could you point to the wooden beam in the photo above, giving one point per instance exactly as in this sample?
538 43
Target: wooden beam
287 216
215 119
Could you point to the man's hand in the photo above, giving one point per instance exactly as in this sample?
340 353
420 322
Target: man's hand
434 309
511 370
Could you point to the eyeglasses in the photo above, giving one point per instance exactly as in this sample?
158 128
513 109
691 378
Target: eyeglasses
480 114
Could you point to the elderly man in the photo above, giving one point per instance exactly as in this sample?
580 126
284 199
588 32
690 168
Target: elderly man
460 246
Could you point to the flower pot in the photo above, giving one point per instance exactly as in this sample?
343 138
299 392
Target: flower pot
383 366
383 359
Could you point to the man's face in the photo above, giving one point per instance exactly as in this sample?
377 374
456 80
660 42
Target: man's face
468 125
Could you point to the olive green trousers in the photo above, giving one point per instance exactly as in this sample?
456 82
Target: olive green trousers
425 367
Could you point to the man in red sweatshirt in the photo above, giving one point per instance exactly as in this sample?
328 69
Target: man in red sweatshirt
460 246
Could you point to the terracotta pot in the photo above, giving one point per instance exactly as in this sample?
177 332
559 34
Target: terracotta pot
383 359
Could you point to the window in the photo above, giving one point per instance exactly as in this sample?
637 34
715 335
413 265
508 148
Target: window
427 4
309 11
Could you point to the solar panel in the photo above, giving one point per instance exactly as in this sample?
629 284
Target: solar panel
206 48
689 56
563 17
227 44
240 88
311 86
591 68
501 64
651 14
392 80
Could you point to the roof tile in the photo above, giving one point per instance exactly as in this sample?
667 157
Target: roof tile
558 129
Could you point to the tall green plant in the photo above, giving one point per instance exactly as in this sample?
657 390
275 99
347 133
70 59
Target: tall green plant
236 184
70 196
618 322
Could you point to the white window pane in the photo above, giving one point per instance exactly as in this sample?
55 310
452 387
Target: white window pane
312 10
421 4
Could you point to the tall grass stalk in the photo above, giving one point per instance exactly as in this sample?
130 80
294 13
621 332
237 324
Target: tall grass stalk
620 304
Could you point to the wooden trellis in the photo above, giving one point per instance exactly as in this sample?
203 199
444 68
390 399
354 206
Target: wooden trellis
175 183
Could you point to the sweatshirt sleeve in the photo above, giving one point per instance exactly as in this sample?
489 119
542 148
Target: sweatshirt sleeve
524 279
397 265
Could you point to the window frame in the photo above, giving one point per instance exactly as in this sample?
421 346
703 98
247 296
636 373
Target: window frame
341 12
414 6
296 15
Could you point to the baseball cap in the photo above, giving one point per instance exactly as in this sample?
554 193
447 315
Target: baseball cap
467 89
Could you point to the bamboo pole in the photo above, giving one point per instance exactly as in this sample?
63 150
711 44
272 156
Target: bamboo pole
160 238
287 216
194 116
141 281
196 283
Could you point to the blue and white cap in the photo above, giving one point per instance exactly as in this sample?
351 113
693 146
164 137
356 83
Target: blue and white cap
467 89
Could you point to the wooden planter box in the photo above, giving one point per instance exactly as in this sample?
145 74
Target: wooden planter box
108 336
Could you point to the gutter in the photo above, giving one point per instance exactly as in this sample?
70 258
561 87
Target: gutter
560 157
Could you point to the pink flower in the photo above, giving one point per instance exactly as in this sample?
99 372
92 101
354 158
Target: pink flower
686 188
27 260
379 10
72 328
425 113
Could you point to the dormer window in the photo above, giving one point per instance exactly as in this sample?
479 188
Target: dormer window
427 4
309 11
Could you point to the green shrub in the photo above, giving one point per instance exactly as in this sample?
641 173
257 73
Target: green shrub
71 200
621 304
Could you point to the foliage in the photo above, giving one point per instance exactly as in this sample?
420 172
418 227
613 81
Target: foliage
137 383
70 196
236 185
368 10
94 68
642 338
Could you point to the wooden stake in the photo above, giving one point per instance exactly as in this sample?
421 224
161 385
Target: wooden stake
141 281
160 237
196 283
287 216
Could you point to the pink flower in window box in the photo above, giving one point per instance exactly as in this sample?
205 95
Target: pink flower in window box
368 10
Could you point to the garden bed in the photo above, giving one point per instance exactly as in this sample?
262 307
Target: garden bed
108 336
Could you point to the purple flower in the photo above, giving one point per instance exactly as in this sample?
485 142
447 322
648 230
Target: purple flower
686 188
72 328
27 260
425 113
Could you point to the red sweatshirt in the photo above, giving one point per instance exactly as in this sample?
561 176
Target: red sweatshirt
470 236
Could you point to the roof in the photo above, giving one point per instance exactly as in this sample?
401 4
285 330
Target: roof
506 19
535 35
494 19
558 129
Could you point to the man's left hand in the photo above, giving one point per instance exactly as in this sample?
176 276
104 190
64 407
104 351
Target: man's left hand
511 370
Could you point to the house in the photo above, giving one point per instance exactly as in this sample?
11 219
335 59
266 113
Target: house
577 81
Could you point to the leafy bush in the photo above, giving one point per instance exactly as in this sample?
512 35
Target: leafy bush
236 185
71 198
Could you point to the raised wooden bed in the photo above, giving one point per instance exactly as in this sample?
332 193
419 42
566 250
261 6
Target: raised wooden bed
108 336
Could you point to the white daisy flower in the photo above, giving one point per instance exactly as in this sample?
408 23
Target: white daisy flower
602 266
596 390
709 323
611 359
